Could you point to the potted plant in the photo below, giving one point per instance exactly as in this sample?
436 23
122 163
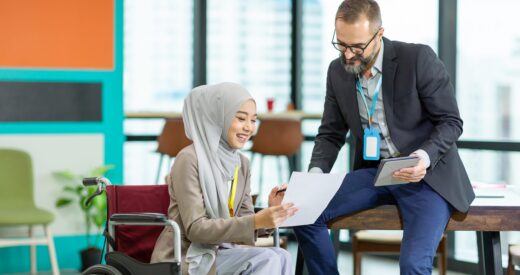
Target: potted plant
94 214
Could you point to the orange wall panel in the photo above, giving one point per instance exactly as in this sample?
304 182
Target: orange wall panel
75 34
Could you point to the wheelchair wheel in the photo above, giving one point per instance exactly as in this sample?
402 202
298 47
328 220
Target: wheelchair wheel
101 269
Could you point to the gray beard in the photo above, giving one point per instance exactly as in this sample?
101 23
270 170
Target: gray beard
357 69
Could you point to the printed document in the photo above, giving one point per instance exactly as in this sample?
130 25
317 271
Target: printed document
310 193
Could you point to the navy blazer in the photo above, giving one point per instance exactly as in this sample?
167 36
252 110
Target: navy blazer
421 113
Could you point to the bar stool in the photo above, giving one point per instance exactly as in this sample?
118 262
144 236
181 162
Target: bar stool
514 258
374 242
280 137
171 141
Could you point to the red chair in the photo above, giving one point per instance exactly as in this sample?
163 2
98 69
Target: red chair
137 215
137 241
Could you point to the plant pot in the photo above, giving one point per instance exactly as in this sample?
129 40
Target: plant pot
89 257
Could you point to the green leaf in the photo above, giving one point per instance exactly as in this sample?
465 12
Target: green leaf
66 175
62 202
100 202
79 190
99 220
69 189
101 170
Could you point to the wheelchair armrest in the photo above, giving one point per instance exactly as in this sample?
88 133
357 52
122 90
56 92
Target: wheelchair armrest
139 218
154 219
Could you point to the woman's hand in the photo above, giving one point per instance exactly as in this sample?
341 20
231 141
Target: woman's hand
273 216
277 194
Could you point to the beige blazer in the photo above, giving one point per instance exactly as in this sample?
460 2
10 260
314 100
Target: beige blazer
187 209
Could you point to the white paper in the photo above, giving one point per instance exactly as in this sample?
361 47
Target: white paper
506 196
310 193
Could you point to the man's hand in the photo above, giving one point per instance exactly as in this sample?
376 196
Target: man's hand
411 174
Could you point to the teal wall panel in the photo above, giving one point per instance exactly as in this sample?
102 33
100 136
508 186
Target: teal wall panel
16 259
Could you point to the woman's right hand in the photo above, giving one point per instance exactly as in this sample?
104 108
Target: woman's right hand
273 216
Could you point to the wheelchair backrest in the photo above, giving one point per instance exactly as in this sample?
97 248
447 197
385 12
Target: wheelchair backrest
137 241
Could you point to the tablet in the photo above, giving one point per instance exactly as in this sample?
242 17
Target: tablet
388 166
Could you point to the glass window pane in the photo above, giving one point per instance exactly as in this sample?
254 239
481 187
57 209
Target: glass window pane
488 65
249 42
318 27
158 54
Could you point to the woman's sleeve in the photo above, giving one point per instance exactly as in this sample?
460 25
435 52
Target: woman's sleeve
199 227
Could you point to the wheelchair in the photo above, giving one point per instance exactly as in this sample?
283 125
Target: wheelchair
136 216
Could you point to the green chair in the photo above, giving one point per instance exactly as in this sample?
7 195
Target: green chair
17 207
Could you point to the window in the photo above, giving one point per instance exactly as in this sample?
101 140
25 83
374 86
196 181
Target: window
249 42
488 65
158 54
318 26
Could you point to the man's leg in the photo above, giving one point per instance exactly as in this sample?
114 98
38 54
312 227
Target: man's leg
425 215
356 193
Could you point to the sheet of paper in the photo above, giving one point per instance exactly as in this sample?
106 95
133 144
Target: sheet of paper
505 196
310 193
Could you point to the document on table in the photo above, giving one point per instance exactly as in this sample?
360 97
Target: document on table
505 196
310 193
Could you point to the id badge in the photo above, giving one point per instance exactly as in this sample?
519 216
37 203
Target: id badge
371 143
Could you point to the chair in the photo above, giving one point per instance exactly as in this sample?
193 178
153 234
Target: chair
17 207
280 137
134 240
137 214
171 141
374 242
136 217
514 258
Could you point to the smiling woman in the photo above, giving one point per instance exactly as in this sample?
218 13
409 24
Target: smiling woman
210 190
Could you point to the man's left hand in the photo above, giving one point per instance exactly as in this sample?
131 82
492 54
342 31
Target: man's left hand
411 174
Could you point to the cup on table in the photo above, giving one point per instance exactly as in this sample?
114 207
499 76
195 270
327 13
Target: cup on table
270 104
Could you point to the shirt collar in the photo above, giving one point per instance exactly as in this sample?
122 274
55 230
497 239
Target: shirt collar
378 65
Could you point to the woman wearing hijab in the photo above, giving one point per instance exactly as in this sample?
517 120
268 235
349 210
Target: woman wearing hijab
209 189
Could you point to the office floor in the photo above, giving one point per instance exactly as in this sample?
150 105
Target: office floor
370 265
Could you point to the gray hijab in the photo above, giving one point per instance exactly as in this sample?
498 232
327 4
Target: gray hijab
207 114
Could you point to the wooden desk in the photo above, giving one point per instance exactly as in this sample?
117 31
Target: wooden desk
487 221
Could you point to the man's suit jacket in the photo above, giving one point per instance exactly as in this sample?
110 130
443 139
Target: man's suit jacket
187 209
421 113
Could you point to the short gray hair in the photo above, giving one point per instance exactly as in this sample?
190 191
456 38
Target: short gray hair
349 11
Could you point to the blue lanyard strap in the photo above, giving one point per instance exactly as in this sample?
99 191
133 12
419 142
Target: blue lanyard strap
370 112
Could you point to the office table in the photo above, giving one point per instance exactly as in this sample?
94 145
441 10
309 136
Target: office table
288 114
487 216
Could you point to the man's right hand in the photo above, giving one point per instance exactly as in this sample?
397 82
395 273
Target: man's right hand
273 216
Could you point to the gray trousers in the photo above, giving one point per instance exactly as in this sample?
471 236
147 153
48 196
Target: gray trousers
253 260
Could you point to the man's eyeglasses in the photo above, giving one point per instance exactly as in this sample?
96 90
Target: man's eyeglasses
354 49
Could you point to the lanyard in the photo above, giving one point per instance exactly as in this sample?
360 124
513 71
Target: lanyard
370 112
231 201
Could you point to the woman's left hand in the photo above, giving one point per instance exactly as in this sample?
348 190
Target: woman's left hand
275 197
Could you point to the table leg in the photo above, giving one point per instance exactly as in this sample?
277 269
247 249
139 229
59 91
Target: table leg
489 253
